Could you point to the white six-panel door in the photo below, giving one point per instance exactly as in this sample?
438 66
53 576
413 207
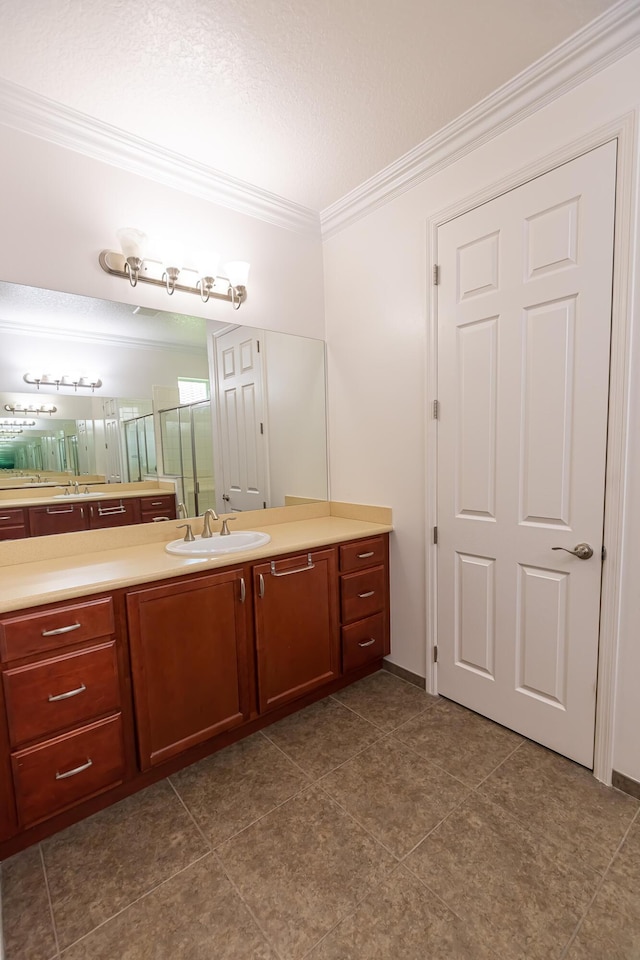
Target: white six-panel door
524 318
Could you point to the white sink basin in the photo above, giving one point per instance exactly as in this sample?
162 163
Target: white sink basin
216 545
77 496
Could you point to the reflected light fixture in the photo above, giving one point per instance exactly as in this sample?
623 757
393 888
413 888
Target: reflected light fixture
63 380
32 408
10 431
168 270
16 422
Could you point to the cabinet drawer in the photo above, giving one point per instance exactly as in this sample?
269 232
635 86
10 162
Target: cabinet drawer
13 533
363 641
364 553
61 772
163 507
113 513
11 518
46 630
362 594
52 695
62 518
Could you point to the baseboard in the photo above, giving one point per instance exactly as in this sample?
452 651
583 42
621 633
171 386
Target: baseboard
413 678
627 784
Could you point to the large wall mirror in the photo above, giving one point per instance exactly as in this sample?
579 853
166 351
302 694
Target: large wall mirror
236 417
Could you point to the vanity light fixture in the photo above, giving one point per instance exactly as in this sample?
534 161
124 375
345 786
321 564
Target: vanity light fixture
132 264
63 380
10 432
16 422
20 408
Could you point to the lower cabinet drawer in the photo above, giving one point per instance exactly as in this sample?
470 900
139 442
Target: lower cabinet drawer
61 692
13 533
362 594
363 642
33 633
59 773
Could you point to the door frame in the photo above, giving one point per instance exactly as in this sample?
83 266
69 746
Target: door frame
622 129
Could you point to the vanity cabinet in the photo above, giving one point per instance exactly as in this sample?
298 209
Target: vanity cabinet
188 644
364 601
62 689
59 518
297 632
153 509
113 513
13 524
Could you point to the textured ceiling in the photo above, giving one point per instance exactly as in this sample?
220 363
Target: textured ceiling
304 98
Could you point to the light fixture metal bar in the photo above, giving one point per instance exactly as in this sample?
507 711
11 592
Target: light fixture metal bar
113 263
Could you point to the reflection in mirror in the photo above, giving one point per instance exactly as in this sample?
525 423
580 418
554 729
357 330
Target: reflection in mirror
236 417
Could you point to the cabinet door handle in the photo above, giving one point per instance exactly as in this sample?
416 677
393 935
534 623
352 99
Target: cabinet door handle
66 696
260 586
75 771
109 510
157 519
60 630
243 590
369 593
51 511
287 573
364 556
366 643
5 518
156 503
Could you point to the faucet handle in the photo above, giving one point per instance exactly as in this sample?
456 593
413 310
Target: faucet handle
188 537
225 532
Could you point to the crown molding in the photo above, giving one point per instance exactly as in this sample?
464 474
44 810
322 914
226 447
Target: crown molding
119 340
600 43
31 113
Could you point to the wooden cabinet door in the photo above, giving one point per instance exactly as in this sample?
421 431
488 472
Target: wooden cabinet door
189 662
114 513
297 632
62 518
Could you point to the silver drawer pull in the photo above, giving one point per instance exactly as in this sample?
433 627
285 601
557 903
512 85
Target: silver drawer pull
369 593
66 696
51 511
110 510
243 590
5 518
287 573
156 503
75 771
366 643
60 630
363 556
157 519
260 586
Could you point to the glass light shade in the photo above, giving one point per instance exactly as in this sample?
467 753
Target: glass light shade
207 264
237 272
132 242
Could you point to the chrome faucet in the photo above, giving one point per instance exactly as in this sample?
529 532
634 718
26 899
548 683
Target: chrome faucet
188 537
76 487
208 515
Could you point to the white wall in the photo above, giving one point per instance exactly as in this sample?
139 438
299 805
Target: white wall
58 209
376 298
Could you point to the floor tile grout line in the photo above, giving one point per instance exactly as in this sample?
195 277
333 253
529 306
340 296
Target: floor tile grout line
281 803
498 765
139 899
433 892
246 905
413 716
315 780
359 824
207 842
404 858
435 763
49 900
599 886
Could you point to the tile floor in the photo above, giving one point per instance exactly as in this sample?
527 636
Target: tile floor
377 824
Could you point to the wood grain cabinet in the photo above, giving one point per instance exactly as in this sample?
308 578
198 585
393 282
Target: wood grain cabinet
297 630
153 509
94 514
364 601
58 518
62 690
188 643
13 524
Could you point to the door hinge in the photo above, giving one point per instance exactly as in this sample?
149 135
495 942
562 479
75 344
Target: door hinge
435 535
435 654
262 428
603 553
258 345
436 274
436 409
264 504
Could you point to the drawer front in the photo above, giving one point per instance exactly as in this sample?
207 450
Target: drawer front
12 518
52 695
62 518
113 513
363 642
13 533
46 630
362 594
62 772
364 553
161 508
